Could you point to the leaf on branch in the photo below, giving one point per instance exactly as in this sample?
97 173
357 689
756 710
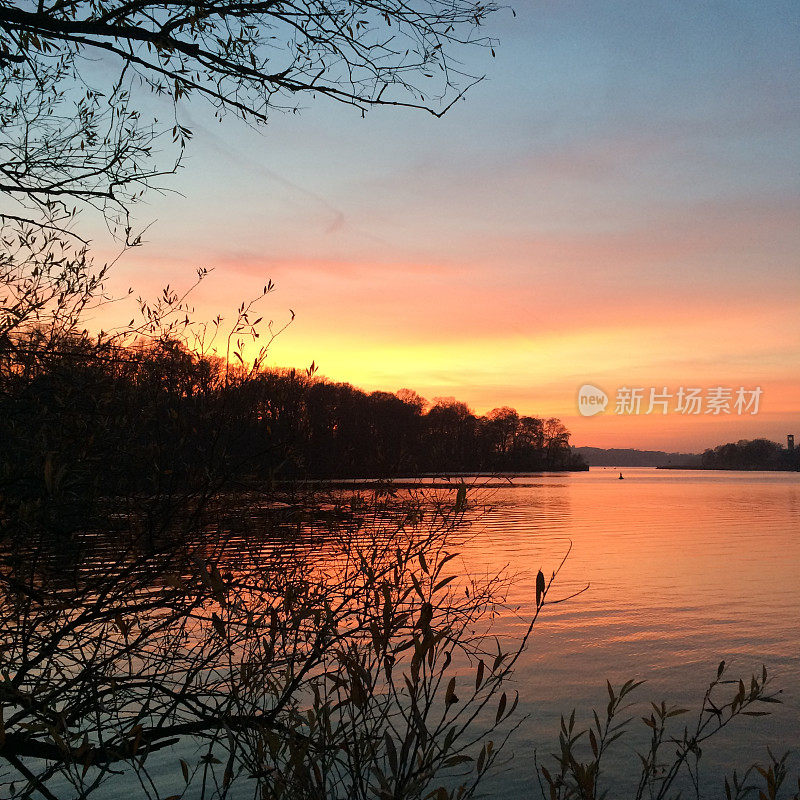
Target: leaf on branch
479 675
540 589
219 625
450 696
501 707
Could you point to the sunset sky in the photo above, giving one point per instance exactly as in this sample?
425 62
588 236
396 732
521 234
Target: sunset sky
618 203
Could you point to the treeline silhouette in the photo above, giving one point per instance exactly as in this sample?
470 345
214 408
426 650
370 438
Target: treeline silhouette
157 416
751 454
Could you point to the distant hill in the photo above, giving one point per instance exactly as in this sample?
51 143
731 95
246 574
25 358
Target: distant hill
621 457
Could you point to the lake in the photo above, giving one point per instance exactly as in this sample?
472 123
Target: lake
684 568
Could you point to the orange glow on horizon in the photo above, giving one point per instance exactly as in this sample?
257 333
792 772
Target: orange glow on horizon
524 338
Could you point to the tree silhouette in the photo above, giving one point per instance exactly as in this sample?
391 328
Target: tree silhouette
72 123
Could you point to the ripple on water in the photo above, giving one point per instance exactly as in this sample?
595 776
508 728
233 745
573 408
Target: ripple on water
683 568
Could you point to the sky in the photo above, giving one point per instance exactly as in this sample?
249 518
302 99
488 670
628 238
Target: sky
617 204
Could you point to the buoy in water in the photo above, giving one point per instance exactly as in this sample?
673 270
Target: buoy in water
620 477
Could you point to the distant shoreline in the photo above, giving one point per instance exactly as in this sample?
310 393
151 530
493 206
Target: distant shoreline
728 469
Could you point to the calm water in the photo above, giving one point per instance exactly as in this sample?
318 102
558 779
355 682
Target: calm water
684 569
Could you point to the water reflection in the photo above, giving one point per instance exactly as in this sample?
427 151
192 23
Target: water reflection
685 568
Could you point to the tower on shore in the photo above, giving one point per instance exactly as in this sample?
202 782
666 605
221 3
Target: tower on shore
790 442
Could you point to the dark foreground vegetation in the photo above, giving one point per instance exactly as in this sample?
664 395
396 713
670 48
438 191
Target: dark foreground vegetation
286 656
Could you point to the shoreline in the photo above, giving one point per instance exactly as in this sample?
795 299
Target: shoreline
728 469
